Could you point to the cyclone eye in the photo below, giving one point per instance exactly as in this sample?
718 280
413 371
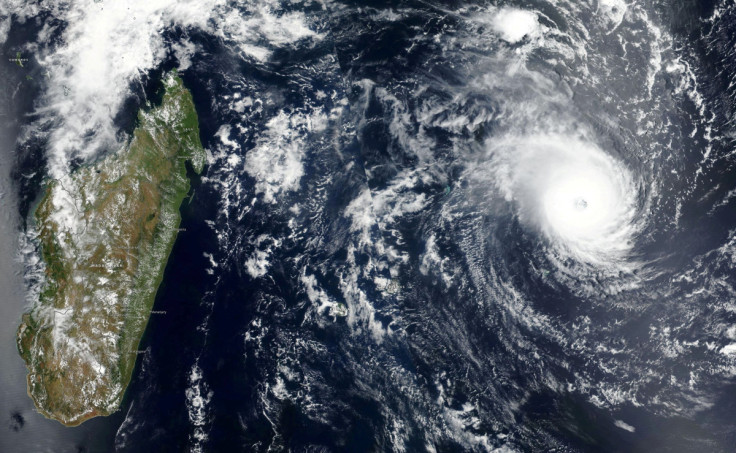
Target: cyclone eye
581 198
581 204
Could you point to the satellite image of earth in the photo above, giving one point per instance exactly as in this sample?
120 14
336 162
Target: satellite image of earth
368 226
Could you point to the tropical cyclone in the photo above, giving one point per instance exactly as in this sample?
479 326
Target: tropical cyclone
105 232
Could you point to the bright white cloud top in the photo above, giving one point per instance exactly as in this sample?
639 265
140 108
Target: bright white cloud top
513 24
580 197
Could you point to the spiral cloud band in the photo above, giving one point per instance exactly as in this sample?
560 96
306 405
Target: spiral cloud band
580 197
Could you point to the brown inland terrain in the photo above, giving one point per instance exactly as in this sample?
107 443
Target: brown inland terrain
105 232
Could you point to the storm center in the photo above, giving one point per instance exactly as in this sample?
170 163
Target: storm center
581 204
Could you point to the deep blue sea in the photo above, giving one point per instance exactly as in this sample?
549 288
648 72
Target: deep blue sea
418 231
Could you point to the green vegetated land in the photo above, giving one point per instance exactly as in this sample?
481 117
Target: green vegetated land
105 233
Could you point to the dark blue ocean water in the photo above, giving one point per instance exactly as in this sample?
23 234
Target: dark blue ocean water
347 392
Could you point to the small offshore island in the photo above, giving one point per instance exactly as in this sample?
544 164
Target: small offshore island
105 233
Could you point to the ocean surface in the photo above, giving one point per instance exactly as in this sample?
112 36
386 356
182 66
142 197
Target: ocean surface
423 226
